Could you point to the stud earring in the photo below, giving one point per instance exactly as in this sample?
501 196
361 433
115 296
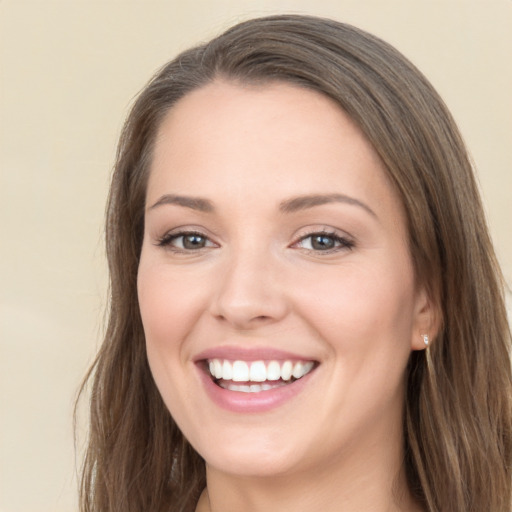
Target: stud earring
425 339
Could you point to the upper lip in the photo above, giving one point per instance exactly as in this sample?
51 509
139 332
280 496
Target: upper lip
237 353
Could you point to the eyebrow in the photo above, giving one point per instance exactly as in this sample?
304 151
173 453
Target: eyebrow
309 201
195 203
288 206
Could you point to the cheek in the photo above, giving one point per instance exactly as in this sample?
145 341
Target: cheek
169 305
363 306
169 309
366 321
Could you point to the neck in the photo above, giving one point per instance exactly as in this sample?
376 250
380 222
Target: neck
356 485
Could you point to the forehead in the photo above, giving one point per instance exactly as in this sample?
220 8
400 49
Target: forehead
275 138
278 107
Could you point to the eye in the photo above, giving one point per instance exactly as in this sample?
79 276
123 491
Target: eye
185 241
324 242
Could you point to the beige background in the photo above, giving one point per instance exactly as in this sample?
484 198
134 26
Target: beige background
69 71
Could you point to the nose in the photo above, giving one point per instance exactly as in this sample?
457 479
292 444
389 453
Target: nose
250 292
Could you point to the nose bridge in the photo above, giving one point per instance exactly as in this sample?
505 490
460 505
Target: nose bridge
249 291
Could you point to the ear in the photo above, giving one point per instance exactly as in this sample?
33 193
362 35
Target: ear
426 321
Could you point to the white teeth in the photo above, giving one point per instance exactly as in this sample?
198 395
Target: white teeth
300 369
240 372
217 368
297 370
227 370
307 368
286 370
249 388
273 371
257 371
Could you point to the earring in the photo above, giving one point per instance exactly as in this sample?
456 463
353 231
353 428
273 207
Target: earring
425 340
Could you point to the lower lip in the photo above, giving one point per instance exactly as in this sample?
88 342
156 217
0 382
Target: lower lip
238 401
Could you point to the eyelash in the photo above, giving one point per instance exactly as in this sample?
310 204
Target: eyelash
168 239
343 243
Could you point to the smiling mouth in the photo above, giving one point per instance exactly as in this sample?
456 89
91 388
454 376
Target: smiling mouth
256 376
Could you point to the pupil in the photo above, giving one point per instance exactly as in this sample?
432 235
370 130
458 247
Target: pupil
322 242
193 241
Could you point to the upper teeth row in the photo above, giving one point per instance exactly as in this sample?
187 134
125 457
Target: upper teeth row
258 371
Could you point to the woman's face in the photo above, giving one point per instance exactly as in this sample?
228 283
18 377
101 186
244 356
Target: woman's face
276 246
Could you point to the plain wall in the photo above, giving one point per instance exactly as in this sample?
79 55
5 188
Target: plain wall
69 71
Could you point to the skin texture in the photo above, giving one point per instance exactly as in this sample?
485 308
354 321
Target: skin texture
258 283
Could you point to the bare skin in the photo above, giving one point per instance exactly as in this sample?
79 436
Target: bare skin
314 495
271 225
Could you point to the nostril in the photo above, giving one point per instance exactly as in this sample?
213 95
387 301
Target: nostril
262 318
243 320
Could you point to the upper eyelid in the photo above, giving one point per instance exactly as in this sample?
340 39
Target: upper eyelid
187 230
325 230
168 243
326 234
345 240
302 234
172 235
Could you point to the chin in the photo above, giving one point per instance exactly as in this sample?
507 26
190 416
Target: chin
250 459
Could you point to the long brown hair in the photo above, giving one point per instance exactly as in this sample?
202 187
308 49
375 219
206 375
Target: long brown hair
457 421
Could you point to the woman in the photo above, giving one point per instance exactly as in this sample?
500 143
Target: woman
306 309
